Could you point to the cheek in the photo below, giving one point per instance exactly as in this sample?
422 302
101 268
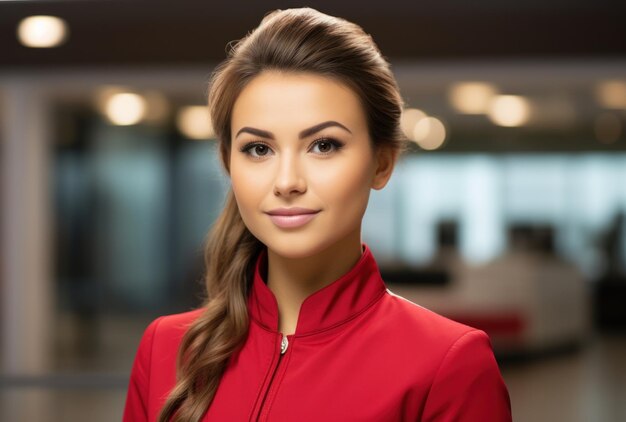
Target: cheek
347 183
250 185
246 197
246 185
245 173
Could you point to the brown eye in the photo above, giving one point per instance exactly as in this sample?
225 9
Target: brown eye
260 149
326 146
256 150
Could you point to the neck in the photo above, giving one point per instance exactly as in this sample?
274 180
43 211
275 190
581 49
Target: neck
293 279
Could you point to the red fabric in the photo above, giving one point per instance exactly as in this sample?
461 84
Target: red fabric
494 323
359 353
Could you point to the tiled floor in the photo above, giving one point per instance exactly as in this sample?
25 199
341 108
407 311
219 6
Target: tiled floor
586 385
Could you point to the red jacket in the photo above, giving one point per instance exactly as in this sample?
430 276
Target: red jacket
359 353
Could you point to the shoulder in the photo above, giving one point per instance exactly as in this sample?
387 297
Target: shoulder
460 360
164 334
422 322
411 332
417 332
154 368
177 321
158 348
168 328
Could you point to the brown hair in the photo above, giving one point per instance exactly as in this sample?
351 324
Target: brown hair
292 40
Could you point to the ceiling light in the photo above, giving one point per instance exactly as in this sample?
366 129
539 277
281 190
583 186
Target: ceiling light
471 97
611 94
195 122
408 120
509 110
125 108
42 31
429 133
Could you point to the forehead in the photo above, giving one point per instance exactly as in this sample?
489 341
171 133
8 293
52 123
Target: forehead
296 100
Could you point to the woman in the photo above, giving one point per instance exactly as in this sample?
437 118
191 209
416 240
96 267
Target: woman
298 324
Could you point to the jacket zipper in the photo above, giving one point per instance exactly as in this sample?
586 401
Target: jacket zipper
284 344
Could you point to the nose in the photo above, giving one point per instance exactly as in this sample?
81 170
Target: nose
289 178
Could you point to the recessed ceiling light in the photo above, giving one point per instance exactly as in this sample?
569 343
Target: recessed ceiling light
42 31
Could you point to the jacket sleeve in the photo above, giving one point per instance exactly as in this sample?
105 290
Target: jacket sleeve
468 385
136 408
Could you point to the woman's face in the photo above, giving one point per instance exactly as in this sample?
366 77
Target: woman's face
301 140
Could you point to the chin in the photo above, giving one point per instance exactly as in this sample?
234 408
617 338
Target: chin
296 248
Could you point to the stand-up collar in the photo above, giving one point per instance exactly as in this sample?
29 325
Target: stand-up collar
333 304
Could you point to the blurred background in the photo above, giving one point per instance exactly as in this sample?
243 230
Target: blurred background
507 213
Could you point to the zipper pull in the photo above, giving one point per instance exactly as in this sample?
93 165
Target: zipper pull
283 345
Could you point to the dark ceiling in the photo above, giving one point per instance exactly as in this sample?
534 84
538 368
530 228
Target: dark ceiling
104 32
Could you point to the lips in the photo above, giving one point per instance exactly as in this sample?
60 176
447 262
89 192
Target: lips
292 211
291 217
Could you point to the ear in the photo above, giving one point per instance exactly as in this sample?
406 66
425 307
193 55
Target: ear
386 160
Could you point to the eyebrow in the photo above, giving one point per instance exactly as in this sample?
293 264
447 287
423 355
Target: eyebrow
306 132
